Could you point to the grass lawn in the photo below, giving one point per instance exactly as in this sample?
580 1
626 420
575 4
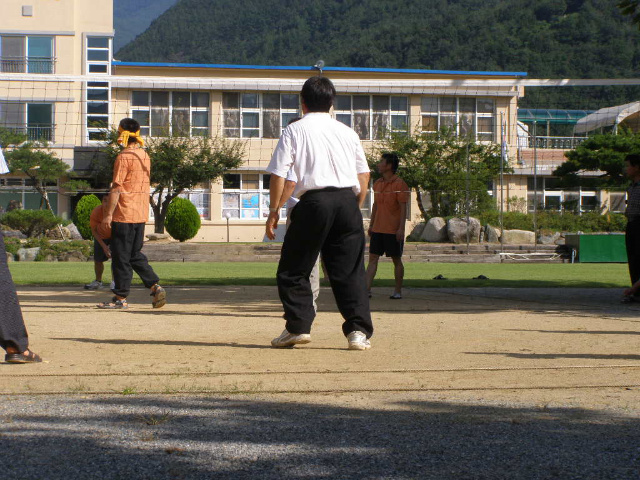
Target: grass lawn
416 274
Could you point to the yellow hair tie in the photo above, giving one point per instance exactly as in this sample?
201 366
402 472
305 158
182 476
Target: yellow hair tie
125 135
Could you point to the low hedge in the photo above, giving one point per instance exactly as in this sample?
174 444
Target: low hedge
590 222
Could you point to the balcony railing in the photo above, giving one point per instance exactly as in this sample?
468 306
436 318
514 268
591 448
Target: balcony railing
35 132
559 143
27 64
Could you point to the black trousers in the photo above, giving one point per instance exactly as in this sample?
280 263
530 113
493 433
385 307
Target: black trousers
13 332
632 242
327 221
127 257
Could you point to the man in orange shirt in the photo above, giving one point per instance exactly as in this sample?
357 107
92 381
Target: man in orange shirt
386 227
101 238
126 214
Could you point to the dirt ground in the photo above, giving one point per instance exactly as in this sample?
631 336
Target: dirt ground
537 346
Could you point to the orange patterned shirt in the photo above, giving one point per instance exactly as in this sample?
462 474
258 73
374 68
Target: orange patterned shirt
131 173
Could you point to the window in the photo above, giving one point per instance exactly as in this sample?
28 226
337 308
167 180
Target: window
551 196
258 115
33 119
98 95
162 113
19 190
200 197
372 116
246 196
465 116
617 202
98 55
30 54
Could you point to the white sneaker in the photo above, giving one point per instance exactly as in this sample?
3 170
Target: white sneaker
95 285
358 341
287 339
112 285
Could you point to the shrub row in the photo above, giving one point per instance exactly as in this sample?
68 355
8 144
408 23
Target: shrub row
590 222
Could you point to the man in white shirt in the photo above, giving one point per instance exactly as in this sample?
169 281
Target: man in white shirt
332 172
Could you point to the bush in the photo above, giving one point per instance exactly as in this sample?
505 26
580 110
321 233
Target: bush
32 223
82 214
12 245
590 222
183 220
56 248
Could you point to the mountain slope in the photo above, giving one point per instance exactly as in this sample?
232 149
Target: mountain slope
547 38
130 22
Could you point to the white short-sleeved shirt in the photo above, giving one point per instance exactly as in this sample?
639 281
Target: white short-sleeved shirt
292 200
322 153
3 164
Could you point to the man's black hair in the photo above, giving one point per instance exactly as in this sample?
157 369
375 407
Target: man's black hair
130 124
318 93
391 159
633 159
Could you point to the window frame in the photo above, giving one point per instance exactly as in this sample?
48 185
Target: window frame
372 133
22 63
260 110
478 135
147 129
262 191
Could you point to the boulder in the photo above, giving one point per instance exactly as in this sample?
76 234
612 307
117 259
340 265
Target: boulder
549 239
492 234
10 257
519 237
74 232
28 254
416 232
75 256
457 230
157 236
14 234
435 231
54 233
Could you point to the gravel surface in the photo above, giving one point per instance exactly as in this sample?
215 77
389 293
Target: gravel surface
340 436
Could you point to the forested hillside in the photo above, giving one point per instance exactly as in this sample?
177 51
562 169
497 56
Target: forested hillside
546 38
132 18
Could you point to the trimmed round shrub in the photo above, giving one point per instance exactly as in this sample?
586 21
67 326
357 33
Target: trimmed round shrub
32 223
82 213
183 220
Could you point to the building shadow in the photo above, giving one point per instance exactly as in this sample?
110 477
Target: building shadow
165 437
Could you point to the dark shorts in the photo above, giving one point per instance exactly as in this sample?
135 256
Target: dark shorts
382 243
98 252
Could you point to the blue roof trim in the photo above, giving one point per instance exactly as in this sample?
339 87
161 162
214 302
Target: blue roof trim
117 63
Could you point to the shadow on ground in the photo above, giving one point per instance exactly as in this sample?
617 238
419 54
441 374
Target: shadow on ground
236 437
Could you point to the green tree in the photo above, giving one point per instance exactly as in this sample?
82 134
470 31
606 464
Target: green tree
445 167
179 164
82 214
39 164
183 220
630 8
603 153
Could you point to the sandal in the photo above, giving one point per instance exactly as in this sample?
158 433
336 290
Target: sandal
159 295
114 304
29 357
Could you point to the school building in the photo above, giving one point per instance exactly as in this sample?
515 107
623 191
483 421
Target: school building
59 82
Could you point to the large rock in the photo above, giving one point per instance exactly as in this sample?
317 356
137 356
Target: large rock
518 237
75 256
492 234
435 231
14 234
9 257
416 233
152 237
549 239
74 232
457 230
54 233
28 254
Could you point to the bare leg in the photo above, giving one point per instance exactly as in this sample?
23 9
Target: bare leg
99 269
398 271
372 268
